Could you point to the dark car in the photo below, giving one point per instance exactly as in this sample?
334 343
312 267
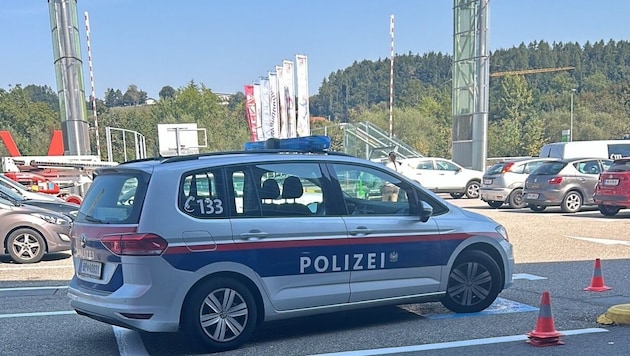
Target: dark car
612 192
568 183
68 209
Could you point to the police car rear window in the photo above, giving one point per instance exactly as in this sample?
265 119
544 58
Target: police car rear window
112 199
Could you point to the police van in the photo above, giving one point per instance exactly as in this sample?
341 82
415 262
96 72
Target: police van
606 149
214 244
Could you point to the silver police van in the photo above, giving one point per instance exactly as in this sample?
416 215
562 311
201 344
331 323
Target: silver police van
215 244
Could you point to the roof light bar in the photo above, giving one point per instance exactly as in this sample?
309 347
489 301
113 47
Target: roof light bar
306 143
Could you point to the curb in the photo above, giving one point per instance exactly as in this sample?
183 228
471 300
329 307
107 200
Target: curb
617 314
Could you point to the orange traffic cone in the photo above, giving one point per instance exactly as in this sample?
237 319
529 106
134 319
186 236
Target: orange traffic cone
597 282
545 333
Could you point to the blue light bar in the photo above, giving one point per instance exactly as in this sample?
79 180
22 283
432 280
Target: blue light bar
306 143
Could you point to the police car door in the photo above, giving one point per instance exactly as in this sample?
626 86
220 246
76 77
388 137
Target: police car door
391 253
285 233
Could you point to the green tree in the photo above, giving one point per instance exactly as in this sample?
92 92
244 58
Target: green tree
167 92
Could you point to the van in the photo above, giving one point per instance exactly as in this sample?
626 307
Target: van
610 149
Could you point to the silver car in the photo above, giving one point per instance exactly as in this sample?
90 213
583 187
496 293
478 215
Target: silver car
28 232
215 244
568 183
503 182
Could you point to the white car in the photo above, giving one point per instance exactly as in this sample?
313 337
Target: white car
443 176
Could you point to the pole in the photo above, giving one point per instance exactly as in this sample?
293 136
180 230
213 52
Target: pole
89 51
391 78
571 124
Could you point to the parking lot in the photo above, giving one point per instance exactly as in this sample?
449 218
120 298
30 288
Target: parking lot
554 252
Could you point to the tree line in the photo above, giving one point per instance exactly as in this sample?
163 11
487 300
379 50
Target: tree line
526 111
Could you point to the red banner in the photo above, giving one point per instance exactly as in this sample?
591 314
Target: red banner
250 110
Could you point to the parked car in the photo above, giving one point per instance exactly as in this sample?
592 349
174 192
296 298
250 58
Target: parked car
612 192
568 183
189 254
21 189
442 175
27 232
503 182
62 207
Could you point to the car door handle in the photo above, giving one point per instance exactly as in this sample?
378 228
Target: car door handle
253 235
360 230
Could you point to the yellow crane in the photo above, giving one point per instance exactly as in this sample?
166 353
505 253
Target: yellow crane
531 71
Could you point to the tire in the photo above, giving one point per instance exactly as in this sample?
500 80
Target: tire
495 204
26 246
571 203
537 208
608 210
457 195
228 326
515 199
472 189
473 284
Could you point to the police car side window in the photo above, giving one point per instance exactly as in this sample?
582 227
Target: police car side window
202 195
367 191
290 189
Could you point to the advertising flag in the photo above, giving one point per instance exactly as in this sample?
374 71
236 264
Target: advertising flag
250 111
289 96
259 132
265 108
303 116
282 111
273 104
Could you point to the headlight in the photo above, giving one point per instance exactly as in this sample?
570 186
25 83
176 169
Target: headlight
57 220
503 232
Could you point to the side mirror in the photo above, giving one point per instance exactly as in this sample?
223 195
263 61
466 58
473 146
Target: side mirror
426 211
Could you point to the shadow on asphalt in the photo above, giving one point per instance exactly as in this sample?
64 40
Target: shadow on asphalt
57 256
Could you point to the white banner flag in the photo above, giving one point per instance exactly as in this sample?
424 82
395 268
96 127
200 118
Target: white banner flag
289 96
303 115
282 102
257 98
273 103
265 108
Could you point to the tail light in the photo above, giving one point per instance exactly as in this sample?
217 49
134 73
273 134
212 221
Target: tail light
135 244
555 180
507 167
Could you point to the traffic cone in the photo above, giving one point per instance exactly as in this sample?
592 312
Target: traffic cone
545 333
597 282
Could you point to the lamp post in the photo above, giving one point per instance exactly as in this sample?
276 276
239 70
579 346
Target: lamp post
571 127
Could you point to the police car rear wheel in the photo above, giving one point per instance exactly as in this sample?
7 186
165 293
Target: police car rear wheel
473 284
221 313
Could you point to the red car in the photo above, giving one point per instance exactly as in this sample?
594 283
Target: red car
612 192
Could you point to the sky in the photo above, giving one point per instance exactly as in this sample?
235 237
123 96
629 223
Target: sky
225 45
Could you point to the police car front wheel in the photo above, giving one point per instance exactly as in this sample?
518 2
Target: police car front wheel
221 313
473 284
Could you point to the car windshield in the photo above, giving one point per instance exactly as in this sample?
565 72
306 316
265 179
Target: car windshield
10 194
620 166
549 168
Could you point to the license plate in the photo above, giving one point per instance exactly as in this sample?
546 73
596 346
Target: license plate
487 181
91 269
611 182
531 196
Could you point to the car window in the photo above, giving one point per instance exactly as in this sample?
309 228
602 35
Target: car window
113 198
587 167
619 166
443 165
497 168
283 189
530 166
425 165
201 195
606 164
548 168
367 191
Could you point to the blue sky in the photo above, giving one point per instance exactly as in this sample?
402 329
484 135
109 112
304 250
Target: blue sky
226 44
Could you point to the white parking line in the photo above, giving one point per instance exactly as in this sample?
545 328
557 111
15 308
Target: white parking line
129 342
32 267
453 344
601 241
26 315
12 289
